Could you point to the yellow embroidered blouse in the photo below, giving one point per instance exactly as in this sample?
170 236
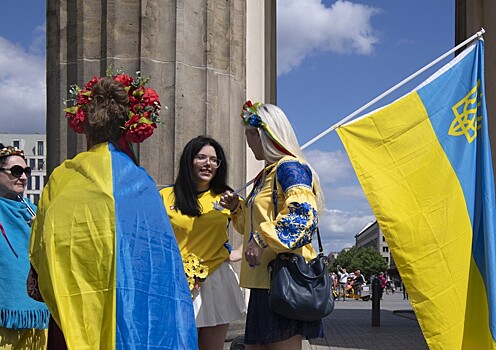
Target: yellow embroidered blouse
293 227
204 235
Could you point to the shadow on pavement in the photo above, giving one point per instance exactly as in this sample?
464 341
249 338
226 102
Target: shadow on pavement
352 329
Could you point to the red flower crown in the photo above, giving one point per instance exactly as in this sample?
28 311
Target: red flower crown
144 106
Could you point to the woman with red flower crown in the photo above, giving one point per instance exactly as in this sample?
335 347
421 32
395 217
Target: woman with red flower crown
109 268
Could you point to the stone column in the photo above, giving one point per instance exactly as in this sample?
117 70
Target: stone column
471 15
195 52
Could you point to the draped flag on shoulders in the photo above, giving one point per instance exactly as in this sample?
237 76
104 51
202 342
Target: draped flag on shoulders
424 163
109 268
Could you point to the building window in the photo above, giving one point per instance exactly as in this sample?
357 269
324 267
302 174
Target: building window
16 143
385 249
387 260
40 164
383 239
32 164
35 198
41 148
36 183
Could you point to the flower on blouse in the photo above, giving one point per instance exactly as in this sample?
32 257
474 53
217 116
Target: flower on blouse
195 271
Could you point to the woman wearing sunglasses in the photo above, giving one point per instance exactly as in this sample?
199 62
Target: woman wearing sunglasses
23 321
200 226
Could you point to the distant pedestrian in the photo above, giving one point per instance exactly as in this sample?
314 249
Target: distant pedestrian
405 294
343 281
382 279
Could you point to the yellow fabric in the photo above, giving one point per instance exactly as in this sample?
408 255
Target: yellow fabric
263 223
203 236
23 339
477 334
71 248
434 264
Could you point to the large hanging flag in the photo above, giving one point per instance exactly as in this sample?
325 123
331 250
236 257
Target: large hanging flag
424 163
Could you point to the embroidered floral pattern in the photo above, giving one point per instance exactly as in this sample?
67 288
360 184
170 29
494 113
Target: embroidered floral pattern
297 228
292 173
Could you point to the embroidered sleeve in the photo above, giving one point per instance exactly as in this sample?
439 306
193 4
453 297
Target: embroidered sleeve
297 218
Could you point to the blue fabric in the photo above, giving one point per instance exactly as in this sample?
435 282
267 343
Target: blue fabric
154 306
470 156
17 309
293 173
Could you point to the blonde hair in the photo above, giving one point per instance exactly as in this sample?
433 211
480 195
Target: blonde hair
280 127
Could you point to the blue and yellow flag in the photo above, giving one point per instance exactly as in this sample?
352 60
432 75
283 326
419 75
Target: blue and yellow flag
109 268
424 163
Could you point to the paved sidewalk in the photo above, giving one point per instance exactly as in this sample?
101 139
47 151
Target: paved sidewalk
349 326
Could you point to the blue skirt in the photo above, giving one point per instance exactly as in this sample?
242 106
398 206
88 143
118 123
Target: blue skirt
264 326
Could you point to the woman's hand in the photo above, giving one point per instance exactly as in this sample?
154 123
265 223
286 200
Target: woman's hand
229 200
253 253
30 222
236 254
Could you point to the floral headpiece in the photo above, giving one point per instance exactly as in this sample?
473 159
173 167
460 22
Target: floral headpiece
144 106
251 118
11 151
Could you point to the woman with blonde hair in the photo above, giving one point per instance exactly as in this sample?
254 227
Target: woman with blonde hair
271 225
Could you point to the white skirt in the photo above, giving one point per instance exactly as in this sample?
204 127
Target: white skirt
220 299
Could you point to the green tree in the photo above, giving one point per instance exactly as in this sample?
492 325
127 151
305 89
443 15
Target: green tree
344 259
367 260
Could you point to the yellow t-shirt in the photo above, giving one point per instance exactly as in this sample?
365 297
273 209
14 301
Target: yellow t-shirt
204 235
292 229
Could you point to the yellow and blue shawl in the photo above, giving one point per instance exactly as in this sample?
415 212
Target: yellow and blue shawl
108 264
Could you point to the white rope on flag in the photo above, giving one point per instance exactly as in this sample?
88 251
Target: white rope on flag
477 35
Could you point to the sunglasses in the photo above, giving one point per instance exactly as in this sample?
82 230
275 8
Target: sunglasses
17 170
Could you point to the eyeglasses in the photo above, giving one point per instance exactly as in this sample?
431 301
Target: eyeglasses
202 159
17 170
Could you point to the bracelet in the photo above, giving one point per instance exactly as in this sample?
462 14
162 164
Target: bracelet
237 210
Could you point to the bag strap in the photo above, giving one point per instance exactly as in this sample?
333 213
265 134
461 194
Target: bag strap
274 201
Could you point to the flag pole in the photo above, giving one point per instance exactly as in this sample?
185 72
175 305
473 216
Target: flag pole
477 35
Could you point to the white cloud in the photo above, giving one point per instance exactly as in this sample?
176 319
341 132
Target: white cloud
331 166
338 228
23 81
307 26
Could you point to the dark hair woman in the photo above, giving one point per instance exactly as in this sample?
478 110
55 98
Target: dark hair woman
200 226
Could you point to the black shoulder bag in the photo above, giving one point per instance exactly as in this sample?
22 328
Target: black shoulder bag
299 290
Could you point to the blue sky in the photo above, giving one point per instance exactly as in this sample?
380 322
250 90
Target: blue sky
333 57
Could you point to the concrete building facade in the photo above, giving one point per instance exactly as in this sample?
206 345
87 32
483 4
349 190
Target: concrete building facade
371 236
